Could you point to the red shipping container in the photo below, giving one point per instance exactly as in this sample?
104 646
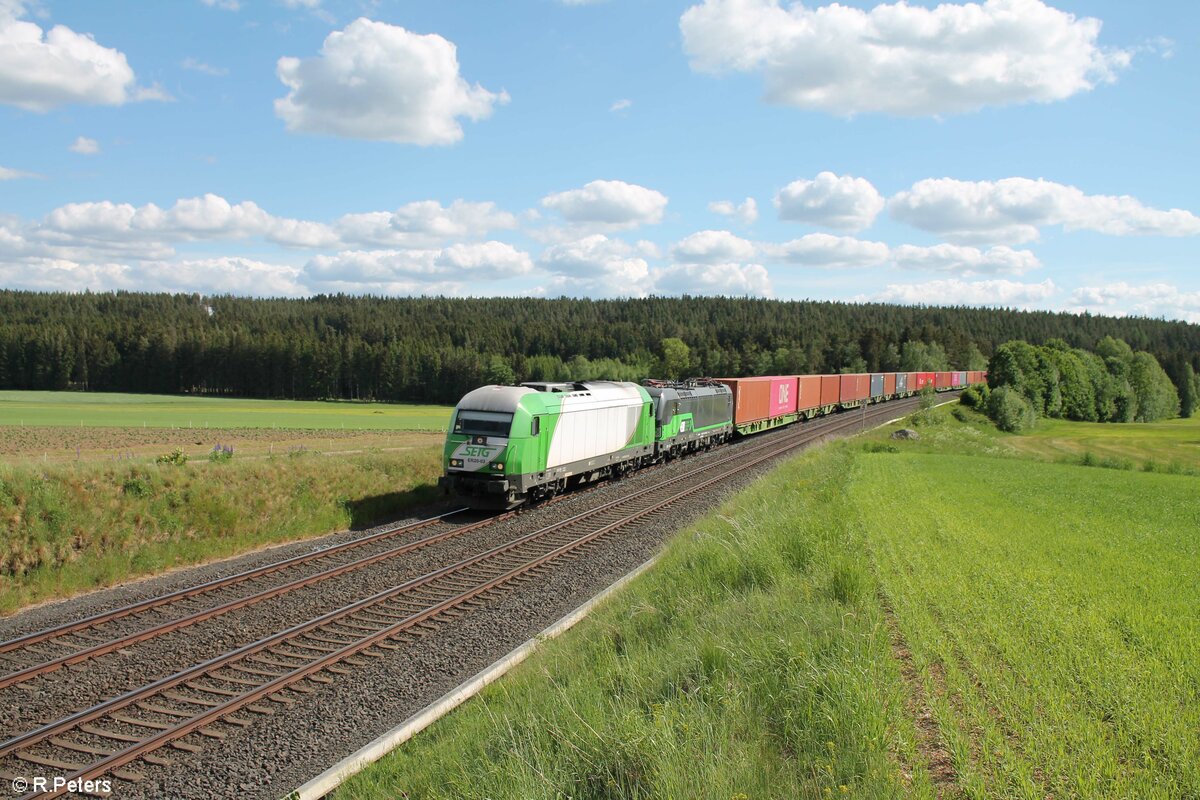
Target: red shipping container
889 383
943 380
751 398
914 381
855 387
809 395
831 390
925 379
783 396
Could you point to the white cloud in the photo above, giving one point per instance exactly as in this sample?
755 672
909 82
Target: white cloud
712 247
840 202
225 5
378 81
746 211
1147 300
206 217
99 231
209 276
831 252
232 275
385 270
310 4
599 266
8 174
1013 209
85 146
899 58
953 291
621 105
195 65
735 280
63 275
424 222
610 205
962 260
41 70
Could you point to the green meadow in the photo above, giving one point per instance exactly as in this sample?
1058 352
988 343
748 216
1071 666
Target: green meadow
169 411
959 616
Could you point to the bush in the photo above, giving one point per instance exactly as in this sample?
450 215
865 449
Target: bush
928 397
221 452
175 458
975 396
1010 410
135 486
880 447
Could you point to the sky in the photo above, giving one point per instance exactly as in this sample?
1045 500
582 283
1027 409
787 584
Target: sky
1014 153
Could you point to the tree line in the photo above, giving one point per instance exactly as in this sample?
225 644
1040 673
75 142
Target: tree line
432 349
1111 383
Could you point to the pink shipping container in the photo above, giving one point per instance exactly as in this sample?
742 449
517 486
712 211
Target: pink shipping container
855 387
810 392
783 395
831 390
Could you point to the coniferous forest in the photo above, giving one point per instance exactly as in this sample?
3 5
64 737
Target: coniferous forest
434 349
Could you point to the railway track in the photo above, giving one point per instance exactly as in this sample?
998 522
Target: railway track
71 643
209 699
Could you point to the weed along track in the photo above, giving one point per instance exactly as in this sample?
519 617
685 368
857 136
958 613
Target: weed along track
219 715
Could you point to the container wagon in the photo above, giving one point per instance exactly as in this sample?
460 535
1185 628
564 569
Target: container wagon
855 389
763 403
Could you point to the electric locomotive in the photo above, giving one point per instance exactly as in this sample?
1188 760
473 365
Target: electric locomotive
508 445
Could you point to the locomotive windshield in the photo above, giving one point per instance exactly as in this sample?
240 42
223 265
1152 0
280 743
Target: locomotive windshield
483 423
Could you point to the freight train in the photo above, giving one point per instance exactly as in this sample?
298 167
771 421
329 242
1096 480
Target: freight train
509 445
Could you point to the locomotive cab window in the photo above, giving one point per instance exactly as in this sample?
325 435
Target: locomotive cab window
483 423
535 426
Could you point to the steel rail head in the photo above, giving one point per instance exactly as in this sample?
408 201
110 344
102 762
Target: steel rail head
216 583
170 626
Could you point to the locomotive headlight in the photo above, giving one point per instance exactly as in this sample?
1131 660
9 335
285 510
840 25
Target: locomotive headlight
500 467
456 462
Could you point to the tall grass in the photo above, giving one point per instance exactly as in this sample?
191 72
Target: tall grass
66 529
750 662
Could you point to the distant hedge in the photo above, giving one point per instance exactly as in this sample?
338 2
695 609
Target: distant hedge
1111 384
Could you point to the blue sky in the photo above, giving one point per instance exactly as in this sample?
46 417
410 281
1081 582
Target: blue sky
1011 152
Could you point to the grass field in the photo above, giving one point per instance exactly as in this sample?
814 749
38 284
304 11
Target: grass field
1172 442
98 410
951 617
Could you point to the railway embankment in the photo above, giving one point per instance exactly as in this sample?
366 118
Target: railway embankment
968 613
70 528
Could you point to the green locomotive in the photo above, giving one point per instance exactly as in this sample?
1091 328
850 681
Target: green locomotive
508 445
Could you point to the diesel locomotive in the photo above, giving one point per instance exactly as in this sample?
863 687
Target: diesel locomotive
508 445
